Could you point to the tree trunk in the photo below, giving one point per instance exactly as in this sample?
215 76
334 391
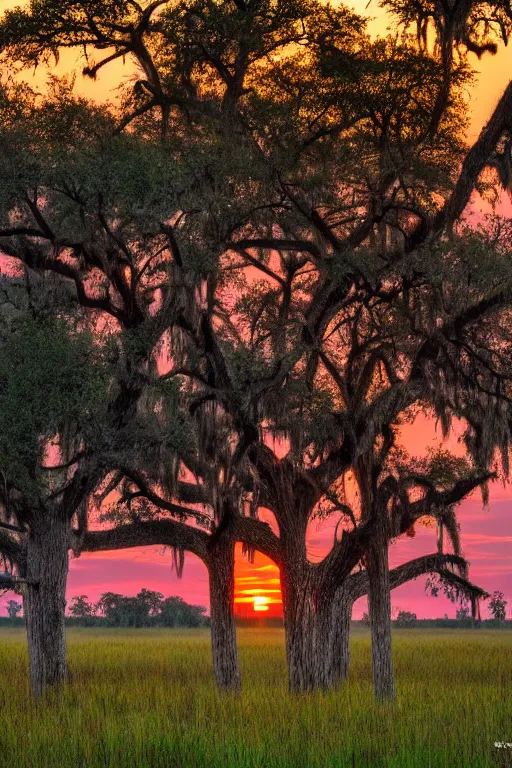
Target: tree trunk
296 610
340 635
307 623
45 601
379 605
226 665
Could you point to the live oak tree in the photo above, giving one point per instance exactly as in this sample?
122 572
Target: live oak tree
348 165
442 573
359 290
375 373
104 233
418 222
39 137
51 396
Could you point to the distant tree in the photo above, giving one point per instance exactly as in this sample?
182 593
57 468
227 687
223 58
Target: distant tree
135 611
175 612
153 601
13 608
498 606
113 607
81 608
462 613
365 618
406 619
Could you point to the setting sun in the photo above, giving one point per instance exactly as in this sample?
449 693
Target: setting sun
257 588
261 603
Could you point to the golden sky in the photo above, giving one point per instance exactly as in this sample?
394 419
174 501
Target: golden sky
494 71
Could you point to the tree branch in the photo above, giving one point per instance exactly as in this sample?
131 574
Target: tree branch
434 563
145 534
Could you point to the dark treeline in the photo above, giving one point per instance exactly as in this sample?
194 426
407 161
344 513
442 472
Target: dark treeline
468 623
438 623
276 623
147 609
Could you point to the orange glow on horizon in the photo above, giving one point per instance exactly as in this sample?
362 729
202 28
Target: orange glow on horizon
257 587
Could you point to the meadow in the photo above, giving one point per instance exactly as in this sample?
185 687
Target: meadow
140 698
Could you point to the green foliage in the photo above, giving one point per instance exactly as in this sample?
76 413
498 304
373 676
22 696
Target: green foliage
81 608
64 146
51 385
39 30
439 468
149 608
175 612
455 589
406 619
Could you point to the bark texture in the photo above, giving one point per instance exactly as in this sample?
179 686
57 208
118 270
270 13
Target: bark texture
379 604
47 570
340 635
298 617
221 568
308 623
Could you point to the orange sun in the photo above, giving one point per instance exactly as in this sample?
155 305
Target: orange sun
260 603
257 588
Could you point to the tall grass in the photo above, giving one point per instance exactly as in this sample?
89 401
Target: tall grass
146 698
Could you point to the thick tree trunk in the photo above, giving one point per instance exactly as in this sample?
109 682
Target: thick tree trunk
226 665
45 601
323 646
307 622
298 639
379 605
340 635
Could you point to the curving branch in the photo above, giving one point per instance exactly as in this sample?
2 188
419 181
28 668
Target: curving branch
434 563
258 535
145 534
476 160
177 510
353 545
253 533
440 499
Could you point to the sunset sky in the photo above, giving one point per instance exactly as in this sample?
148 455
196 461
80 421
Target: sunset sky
486 534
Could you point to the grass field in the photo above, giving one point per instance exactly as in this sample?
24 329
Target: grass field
146 698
